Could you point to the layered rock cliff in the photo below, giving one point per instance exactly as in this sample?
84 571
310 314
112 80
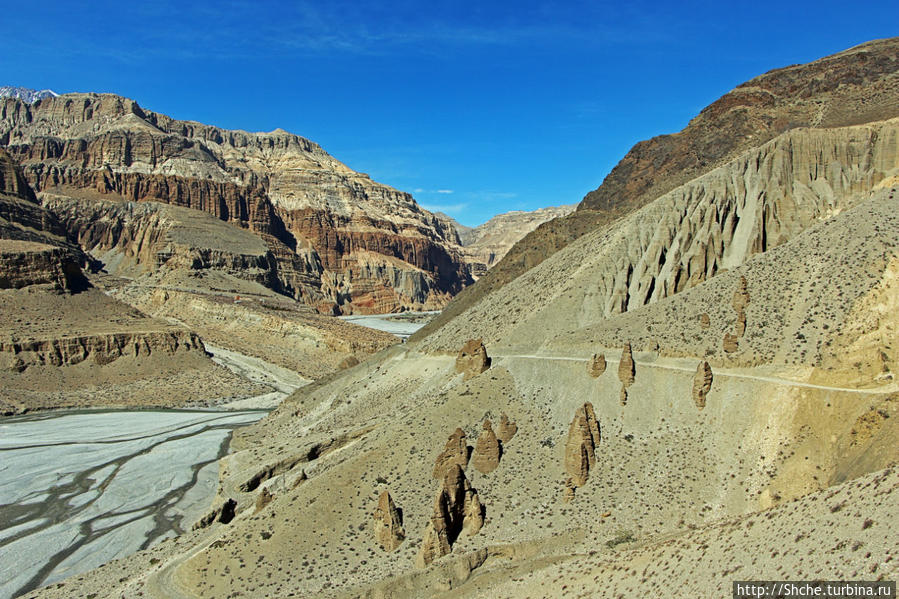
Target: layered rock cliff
486 244
33 247
285 188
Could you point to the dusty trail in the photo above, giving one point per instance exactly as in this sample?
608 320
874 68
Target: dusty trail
726 372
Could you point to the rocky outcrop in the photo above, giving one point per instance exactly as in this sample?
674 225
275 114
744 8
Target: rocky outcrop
580 447
224 512
388 523
33 246
99 349
457 508
348 362
626 368
24 263
506 429
282 187
702 384
472 359
596 365
263 499
455 453
151 237
435 542
704 321
487 450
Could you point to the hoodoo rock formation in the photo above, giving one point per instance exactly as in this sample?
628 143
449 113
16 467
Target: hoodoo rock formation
341 241
388 523
472 359
487 450
597 365
457 509
740 301
626 372
435 542
580 447
702 384
506 429
626 368
455 453
730 343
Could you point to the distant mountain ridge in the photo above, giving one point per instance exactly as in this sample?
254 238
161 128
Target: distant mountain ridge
486 244
340 241
26 94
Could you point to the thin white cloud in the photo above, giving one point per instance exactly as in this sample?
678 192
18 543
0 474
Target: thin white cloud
446 191
451 209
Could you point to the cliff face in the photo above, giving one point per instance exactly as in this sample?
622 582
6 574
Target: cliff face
282 187
24 263
150 237
33 247
100 349
761 200
853 87
486 244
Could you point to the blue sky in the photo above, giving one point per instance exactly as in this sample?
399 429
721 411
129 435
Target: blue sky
476 108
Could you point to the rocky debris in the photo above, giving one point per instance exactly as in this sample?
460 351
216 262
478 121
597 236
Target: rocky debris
506 429
263 499
622 396
455 452
487 451
626 370
388 523
730 343
597 365
223 513
472 359
580 448
704 321
457 509
702 383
